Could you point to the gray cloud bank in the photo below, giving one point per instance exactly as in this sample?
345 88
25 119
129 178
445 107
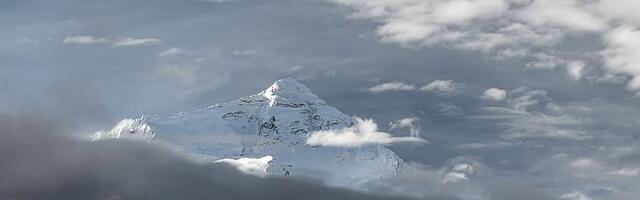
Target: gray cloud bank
35 163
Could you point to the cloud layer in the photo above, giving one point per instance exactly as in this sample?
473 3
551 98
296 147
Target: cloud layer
532 32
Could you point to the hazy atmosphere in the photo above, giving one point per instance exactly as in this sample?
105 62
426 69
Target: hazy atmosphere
415 99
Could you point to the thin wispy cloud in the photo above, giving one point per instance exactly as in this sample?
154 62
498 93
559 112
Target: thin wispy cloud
622 53
128 42
172 52
441 87
391 86
532 114
438 87
85 39
121 42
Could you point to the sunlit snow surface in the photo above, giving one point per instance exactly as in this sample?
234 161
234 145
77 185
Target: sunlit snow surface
275 122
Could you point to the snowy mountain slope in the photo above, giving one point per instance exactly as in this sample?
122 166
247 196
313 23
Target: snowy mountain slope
274 122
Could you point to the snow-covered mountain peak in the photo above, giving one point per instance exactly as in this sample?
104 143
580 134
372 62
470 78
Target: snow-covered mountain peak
288 90
136 129
288 84
275 122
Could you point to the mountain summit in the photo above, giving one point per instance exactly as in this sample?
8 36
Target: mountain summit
274 122
288 91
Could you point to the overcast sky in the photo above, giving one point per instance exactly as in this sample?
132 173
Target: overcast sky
538 96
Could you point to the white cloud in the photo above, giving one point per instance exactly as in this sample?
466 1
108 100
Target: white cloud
85 39
622 55
454 177
583 163
567 13
440 87
532 32
444 87
411 123
458 173
575 69
364 132
463 11
391 86
627 172
494 94
406 33
129 41
172 52
254 166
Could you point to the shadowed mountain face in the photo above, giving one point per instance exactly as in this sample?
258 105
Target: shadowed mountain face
274 122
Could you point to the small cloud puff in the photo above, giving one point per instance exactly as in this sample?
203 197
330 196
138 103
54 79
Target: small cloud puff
458 173
494 94
575 69
172 52
411 123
